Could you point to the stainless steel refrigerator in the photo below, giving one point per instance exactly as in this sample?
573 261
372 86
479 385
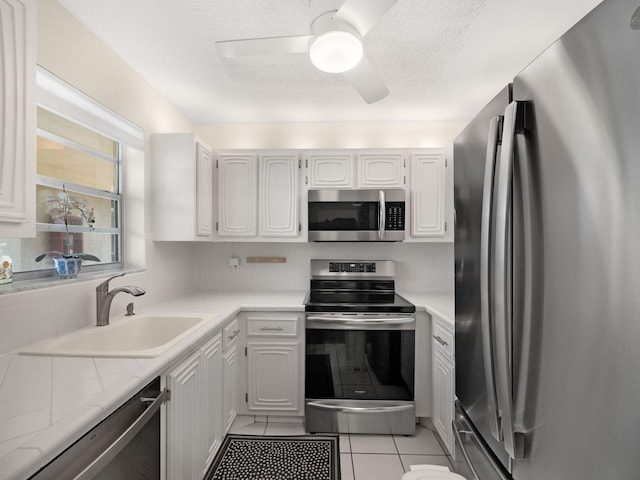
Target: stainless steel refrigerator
547 252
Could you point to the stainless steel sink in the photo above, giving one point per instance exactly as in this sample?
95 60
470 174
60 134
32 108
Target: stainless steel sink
136 336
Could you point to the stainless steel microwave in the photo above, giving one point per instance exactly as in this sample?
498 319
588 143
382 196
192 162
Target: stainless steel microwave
356 215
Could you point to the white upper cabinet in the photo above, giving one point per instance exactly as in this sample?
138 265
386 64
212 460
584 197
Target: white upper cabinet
278 194
352 169
258 196
381 169
182 180
17 121
237 194
204 191
331 169
428 182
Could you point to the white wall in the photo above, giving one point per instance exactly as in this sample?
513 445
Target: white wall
71 52
419 266
424 266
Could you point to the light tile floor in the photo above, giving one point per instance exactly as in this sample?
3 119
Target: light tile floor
365 457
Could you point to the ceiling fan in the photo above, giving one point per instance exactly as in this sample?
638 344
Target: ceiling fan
334 45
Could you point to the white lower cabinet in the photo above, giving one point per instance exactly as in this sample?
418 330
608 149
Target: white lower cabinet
213 388
202 405
230 375
230 372
443 374
274 364
273 374
185 431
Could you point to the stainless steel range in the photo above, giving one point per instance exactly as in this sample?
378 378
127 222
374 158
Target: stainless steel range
360 350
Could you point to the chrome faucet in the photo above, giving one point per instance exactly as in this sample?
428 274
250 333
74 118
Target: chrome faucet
104 297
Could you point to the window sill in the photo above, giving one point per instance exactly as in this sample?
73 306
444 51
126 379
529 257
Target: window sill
40 283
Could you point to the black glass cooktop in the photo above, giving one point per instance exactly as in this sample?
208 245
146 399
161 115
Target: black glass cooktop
376 296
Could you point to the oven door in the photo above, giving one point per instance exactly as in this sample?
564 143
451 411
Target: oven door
359 373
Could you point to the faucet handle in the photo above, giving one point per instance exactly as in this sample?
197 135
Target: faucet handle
104 286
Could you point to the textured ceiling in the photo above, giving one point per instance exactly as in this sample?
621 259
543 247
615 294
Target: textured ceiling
441 59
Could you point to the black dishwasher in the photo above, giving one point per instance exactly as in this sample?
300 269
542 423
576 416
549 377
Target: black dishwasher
124 446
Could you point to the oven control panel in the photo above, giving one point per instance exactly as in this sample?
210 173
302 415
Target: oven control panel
352 267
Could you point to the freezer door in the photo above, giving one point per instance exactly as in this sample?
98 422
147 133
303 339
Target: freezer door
580 405
476 151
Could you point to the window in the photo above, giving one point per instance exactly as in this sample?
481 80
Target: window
81 147
78 200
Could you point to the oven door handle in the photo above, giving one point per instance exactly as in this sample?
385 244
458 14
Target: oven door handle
363 320
342 408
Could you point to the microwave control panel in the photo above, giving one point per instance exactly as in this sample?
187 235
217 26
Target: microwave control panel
395 216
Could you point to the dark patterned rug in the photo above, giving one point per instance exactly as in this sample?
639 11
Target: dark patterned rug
253 457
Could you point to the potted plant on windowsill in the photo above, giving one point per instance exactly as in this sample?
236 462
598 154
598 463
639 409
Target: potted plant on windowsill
69 263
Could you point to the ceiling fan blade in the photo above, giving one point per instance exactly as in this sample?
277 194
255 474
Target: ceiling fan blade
264 46
363 14
365 79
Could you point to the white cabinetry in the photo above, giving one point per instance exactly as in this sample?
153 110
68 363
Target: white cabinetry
274 364
237 194
381 169
182 186
443 379
18 124
202 405
185 440
347 169
258 195
331 169
428 198
212 395
230 373
278 195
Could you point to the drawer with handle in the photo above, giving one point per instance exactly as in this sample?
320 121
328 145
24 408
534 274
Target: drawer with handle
230 333
443 337
280 326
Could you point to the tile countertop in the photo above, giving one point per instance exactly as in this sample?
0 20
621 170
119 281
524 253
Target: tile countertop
46 402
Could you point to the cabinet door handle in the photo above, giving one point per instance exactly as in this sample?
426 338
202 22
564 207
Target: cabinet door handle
234 334
440 340
271 329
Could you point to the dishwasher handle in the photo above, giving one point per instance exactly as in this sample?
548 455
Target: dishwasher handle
123 440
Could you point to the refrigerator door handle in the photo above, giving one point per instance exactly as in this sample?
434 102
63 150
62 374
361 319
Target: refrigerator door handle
487 273
503 276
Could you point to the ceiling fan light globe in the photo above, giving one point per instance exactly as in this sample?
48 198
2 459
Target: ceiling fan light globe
335 51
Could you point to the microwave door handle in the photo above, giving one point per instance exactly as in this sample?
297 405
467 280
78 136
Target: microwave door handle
382 216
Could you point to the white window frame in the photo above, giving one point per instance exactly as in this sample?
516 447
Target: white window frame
57 96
